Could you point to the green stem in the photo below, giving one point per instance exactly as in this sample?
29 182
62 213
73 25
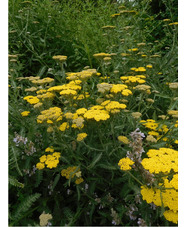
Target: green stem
134 177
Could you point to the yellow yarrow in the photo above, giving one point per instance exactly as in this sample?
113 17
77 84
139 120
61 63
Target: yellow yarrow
171 216
123 139
53 114
79 180
49 149
116 88
60 58
43 81
126 92
40 165
25 113
101 55
163 160
81 136
64 126
98 115
31 99
125 163
70 172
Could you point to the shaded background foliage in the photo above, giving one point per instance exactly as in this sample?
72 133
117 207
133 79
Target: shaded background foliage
71 28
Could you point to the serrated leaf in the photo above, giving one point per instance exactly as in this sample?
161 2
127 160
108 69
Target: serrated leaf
41 71
96 159
163 96
104 166
24 206
15 182
56 181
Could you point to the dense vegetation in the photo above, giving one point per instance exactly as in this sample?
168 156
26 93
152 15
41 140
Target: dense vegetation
93 113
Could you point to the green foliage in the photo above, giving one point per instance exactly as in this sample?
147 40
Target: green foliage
23 208
15 182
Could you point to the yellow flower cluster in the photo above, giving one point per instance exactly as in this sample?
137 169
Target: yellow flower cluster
116 88
81 136
149 66
140 69
97 114
81 96
104 87
64 126
50 115
25 113
78 122
45 80
161 161
158 130
174 23
47 95
44 218
113 106
171 216
123 139
42 95
143 87
151 138
31 99
133 79
68 92
50 160
49 149
125 163
60 58
134 49
101 55
136 115
173 85
71 172
31 89
78 77
41 91
173 113
150 124
165 195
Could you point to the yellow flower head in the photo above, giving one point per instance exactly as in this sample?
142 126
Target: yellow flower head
60 58
125 163
81 136
101 55
163 160
49 149
40 165
123 139
25 113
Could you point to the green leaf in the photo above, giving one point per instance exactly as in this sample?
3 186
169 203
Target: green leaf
96 159
109 167
41 71
39 177
163 96
24 207
15 159
15 182
56 181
